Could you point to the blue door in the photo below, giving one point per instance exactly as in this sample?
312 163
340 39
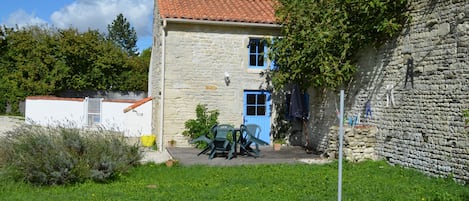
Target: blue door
257 111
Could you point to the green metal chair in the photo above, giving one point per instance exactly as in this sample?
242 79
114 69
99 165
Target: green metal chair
250 135
207 138
221 141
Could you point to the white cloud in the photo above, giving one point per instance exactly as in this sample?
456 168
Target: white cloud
21 19
97 14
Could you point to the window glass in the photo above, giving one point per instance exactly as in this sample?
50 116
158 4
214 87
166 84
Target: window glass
261 46
251 99
252 47
251 110
261 61
260 110
252 60
261 99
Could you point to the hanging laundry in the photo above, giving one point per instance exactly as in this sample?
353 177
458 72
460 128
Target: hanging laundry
368 113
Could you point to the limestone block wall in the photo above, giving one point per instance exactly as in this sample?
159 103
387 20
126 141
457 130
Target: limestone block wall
419 118
196 59
358 143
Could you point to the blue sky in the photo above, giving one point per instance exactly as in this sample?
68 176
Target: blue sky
80 14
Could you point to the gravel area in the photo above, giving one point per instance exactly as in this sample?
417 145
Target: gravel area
8 123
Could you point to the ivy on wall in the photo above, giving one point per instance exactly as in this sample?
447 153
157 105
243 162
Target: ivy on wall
320 38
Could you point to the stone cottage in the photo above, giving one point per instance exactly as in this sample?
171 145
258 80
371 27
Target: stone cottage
210 52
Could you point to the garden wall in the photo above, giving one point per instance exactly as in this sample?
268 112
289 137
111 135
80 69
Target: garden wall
359 143
131 117
417 86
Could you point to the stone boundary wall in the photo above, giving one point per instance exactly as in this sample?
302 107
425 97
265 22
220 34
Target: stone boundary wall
358 143
418 87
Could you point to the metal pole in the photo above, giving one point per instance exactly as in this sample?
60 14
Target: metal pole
341 136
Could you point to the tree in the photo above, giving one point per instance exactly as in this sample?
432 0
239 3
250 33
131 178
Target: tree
30 64
40 60
95 63
320 38
123 35
136 78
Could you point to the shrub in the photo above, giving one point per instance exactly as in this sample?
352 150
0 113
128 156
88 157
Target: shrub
49 156
204 121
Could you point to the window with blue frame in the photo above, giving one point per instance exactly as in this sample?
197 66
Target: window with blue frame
257 53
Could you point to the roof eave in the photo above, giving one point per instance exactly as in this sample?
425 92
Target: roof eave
219 23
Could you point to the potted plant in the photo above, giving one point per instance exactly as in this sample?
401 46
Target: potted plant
278 143
172 143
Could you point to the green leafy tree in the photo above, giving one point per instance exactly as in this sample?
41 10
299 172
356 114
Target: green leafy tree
95 63
40 60
136 78
30 64
320 38
123 34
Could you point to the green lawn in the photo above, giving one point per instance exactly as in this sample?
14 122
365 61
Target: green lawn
362 181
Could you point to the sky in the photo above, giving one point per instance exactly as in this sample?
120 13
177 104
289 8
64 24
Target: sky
80 14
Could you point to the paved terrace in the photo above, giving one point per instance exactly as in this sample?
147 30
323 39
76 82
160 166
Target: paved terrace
290 155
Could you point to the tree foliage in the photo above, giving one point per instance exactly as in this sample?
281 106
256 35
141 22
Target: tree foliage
40 60
123 34
320 38
136 77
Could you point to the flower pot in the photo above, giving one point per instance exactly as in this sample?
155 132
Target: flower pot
148 140
277 146
172 143
171 163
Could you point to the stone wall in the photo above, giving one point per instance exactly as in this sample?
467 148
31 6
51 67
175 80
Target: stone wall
359 143
419 118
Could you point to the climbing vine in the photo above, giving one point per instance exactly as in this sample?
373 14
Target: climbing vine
320 38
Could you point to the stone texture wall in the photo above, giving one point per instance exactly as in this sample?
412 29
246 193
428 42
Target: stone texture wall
420 124
196 58
154 72
359 143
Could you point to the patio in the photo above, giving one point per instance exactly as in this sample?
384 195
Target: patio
288 154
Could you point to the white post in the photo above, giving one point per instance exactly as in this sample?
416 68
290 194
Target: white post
341 136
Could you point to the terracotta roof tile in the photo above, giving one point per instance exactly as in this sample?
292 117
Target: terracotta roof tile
138 103
249 11
53 98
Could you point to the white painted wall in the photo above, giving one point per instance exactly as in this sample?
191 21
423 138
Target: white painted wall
72 113
55 112
138 121
112 115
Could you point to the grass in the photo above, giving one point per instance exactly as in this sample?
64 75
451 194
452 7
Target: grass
362 181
